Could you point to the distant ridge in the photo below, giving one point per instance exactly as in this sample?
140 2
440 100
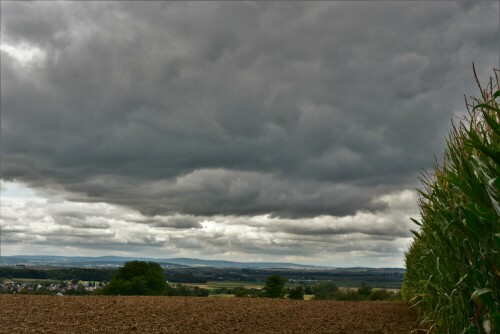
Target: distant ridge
232 264
86 261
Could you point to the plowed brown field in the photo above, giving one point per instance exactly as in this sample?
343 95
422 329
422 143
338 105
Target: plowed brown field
107 314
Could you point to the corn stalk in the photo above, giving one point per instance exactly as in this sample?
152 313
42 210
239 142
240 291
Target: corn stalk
453 264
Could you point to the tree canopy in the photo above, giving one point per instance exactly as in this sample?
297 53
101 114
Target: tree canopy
137 278
296 293
275 287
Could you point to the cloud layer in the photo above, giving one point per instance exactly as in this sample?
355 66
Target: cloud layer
291 111
50 224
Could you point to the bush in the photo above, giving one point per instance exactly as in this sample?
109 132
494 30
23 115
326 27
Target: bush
330 291
240 291
325 290
137 278
453 263
380 294
365 290
296 293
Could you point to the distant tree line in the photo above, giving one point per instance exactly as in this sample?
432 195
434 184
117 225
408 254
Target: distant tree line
330 291
84 274
275 288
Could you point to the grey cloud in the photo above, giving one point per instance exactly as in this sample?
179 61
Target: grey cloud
292 109
281 245
70 225
172 222
217 191
315 230
11 229
90 222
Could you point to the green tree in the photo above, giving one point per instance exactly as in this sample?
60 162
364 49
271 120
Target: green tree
137 278
296 293
381 294
308 290
240 291
325 290
364 290
275 287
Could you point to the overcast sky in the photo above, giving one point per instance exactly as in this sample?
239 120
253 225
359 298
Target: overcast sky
249 131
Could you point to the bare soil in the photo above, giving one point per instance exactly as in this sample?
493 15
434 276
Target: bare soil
120 314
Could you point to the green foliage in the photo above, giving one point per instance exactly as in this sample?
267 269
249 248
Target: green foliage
137 278
240 291
296 293
325 290
275 287
340 295
382 294
330 291
365 290
183 290
453 264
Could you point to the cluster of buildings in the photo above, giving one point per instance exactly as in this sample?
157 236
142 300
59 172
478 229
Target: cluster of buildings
69 287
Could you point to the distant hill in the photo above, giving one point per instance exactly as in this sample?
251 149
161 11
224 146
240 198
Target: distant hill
85 261
231 264
78 261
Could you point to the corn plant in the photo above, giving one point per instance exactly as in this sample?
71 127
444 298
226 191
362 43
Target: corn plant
453 263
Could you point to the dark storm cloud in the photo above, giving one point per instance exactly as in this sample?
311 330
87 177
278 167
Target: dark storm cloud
219 191
293 109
